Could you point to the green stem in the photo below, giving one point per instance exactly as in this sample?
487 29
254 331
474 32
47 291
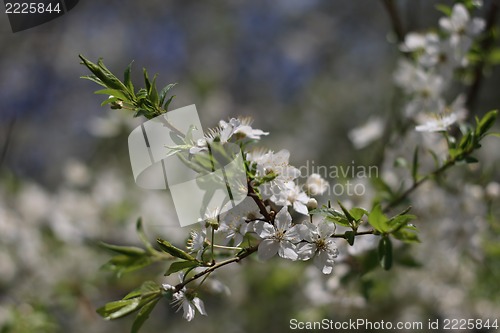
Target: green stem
422 180
227 247
361 233
239 257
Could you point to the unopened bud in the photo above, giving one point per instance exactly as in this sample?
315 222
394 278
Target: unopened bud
312 204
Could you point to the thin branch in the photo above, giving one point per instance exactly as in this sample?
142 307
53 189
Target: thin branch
397 25
8 138
485 46
260 204
361 233
239 257
417 184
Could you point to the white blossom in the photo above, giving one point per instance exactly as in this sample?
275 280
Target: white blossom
319 244
365 134
424 87
437 122
196 242
460 26
240 129
295 197
277 164
315 184
186 300
278 238
236 222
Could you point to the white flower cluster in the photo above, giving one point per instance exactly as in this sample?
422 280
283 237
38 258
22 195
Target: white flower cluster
275 181
297 242
427 73
263 215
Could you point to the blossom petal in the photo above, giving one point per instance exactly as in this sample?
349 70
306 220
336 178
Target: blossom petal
264 229
198 303
287 250
324 261
283 219
294 234
299 207
306 250
326 229
267 249
188 310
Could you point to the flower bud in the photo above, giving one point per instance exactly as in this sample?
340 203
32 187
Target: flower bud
312 204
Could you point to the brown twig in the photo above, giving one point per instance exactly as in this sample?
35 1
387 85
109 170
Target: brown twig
397 24
485 46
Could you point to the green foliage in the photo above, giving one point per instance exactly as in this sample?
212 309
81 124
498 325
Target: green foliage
174 251
385 252
180 265
143 299
145 102
471 140
131 258
150 103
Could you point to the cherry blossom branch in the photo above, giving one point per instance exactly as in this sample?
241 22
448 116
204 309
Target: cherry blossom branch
245 253
450 162
260 204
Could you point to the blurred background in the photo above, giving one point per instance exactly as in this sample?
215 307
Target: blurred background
308 72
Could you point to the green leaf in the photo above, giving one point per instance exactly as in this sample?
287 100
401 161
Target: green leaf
127 79
175 251
103 74
385 253
167 103
143 315
446 10
494 56
347 214
350 236
378 220
400 221
486 123
405 235
357 213
147 288
142 236
110 100
180 265
383 189
94 79
126 250
117 309
124 263
109 78
466 141
112 92
331 215
164 92
153 93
